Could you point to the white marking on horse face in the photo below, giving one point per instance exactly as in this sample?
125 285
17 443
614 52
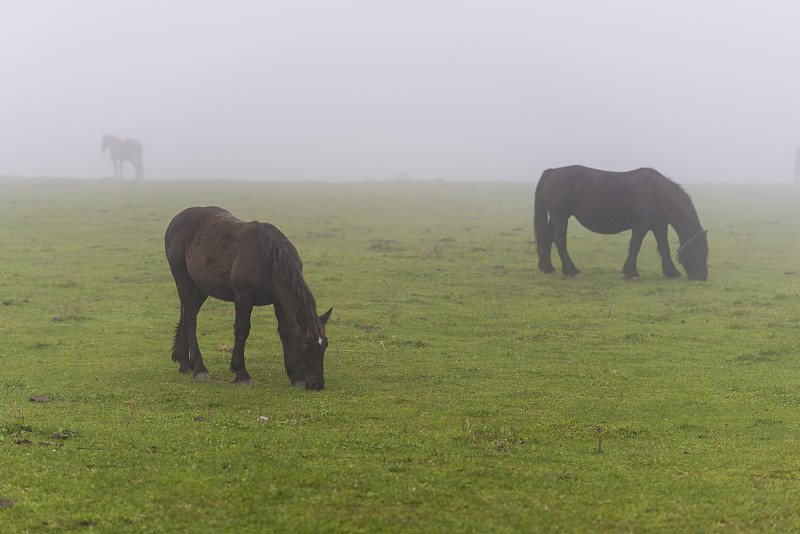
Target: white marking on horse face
319 341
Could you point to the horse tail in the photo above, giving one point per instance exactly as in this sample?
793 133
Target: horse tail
175 340
541 231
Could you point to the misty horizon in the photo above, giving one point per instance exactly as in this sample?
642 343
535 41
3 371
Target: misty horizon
443 90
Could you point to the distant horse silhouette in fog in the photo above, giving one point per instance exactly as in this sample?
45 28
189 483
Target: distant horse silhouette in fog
797 166
122 151
611 202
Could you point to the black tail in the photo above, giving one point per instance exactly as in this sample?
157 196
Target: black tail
541 230
178 335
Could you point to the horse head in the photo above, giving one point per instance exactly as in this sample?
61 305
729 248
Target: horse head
693 255
304 350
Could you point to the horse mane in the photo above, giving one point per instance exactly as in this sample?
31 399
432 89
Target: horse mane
674 201
287 266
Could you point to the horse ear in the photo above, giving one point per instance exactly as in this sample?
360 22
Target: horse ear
325 316
705 233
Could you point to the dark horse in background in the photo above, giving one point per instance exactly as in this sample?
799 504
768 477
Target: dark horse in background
122 151
611 202
210 252
797 166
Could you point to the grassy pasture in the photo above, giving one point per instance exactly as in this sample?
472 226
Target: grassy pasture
465 390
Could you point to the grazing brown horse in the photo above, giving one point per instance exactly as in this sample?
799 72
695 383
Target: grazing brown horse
210 252
611 202
122 151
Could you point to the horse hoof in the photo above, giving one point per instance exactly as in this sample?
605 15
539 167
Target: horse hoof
633 278
202 375
245 381
576 275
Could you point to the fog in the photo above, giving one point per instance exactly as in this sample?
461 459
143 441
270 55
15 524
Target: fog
703 90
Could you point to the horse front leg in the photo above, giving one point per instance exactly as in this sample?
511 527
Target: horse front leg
667 267
241 329
560 239
637 235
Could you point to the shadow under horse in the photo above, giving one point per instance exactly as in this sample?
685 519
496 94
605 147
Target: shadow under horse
123 150
211 252
611 202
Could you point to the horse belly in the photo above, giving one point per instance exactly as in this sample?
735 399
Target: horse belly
610 223
250 281
604 209
211 277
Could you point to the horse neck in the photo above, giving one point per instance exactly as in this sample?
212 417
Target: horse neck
686 229
293 300
289 287
682 215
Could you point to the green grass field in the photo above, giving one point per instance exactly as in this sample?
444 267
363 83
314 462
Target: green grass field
465 390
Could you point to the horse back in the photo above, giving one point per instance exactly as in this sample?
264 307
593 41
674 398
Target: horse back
199 244
603 201
226 257
186 226
132 148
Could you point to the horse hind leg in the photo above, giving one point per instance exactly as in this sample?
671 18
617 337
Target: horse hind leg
180 346
544 248
186 350
195 357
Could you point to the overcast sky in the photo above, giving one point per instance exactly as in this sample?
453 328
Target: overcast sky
703 90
